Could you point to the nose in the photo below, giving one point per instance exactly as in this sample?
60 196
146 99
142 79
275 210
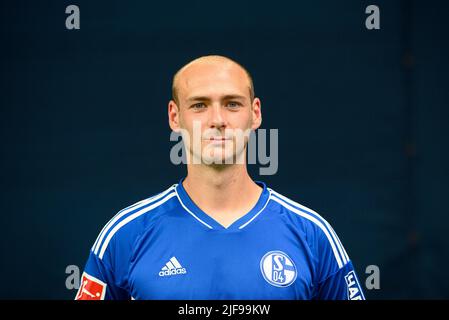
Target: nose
217 117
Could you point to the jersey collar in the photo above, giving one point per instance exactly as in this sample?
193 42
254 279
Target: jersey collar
211 223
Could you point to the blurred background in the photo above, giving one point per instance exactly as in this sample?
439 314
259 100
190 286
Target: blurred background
363 120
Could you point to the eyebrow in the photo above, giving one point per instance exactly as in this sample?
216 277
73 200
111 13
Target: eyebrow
226 97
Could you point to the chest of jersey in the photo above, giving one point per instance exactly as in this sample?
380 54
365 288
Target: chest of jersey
178 260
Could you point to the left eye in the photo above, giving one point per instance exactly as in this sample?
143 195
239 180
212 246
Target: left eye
233 104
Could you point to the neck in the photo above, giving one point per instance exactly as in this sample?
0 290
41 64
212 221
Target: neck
226 192
218 179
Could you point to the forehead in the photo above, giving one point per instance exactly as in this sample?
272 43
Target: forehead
212 79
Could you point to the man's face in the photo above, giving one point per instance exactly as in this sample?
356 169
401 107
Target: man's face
215 112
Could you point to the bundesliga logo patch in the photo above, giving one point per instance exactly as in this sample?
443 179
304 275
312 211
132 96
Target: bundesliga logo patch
91 288
278 269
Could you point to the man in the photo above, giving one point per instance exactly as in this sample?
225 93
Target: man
217 234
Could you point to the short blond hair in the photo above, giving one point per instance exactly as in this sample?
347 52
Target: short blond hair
210 58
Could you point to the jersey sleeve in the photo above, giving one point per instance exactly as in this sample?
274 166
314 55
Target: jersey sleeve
98 282
342 285
336 277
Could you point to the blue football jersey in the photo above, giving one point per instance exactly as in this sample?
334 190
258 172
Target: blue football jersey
166 247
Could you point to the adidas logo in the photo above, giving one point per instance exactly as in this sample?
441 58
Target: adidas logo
171 268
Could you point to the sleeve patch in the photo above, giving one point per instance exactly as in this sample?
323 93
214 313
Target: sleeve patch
354 290
91 288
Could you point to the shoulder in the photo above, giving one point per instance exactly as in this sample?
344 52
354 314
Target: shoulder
129 222
320 234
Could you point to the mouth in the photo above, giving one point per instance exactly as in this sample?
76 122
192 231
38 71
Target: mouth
217 140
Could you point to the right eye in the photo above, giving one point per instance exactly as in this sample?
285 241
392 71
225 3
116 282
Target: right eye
198 106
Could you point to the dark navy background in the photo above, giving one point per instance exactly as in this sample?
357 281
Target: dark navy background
363 119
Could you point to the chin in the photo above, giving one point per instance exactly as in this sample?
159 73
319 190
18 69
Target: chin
217 160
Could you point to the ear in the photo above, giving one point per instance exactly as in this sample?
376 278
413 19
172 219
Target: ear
256 114
173 116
